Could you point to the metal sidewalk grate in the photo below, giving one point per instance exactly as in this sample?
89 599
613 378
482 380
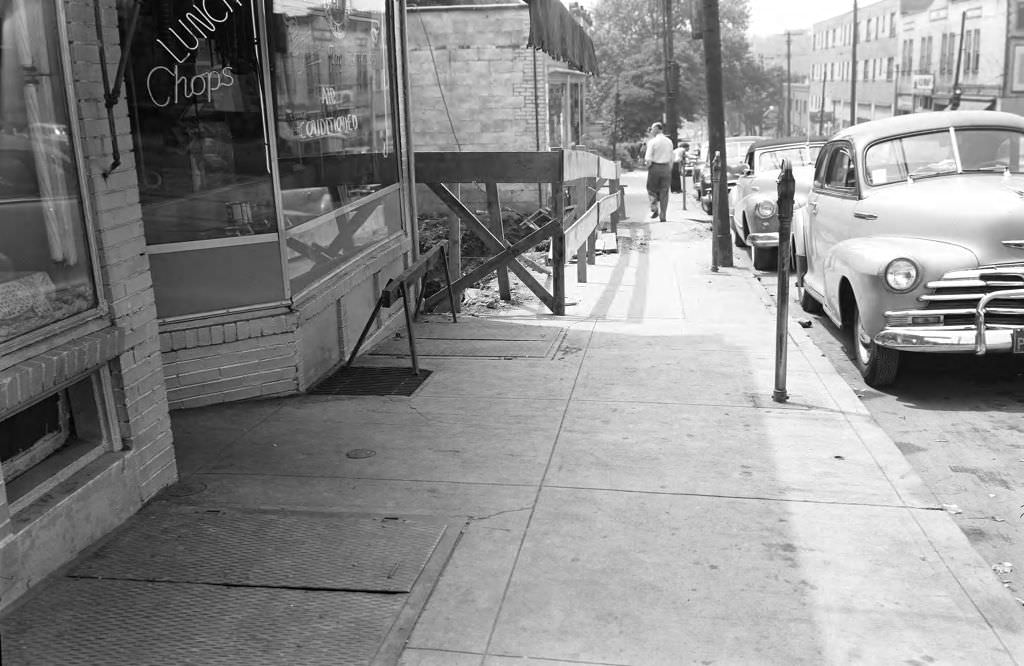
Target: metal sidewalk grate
371 381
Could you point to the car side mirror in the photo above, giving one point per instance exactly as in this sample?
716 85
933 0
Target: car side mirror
747 170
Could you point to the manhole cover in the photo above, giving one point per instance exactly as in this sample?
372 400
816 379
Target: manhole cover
186 488
361 453
371 381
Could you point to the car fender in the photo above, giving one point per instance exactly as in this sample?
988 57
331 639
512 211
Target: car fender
861 263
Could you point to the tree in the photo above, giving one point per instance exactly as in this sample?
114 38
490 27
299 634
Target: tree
627 38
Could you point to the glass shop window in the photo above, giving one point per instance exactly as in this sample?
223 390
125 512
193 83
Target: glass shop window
196 98
335 131
556 114
45 267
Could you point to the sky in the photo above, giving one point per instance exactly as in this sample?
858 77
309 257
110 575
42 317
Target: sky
770 17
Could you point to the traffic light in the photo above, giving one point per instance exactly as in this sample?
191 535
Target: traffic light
954 100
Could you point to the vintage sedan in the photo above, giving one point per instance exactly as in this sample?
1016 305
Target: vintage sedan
914 237
753 201
735 150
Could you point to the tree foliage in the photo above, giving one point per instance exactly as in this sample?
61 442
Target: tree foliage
628 39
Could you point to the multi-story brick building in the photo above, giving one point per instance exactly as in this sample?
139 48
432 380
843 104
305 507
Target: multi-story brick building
832 68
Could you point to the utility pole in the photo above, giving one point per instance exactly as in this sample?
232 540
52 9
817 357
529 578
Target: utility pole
789 84
615 122
671 89
721 250
821 113
954 100
853 70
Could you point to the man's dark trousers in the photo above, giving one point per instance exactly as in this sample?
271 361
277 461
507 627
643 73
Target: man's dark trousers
659 177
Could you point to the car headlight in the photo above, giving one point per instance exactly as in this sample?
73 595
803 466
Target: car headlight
765 208
901 275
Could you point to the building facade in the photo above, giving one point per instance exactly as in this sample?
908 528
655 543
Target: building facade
220 232
477 86
830 85
931 48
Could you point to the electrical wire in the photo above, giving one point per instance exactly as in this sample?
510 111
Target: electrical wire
437 78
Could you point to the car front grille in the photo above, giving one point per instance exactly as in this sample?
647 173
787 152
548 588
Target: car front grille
956 296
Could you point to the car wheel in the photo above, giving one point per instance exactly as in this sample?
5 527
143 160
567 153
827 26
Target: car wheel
878 365
740 237
765 258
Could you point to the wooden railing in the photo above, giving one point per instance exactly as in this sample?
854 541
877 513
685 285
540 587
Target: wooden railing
575 214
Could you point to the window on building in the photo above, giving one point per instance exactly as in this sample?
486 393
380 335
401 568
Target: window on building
942 54
1020 16
892 24
889 64
198 112
975 51
867 32
336 150
46 272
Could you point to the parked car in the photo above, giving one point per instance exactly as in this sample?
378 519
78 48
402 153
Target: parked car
914 237
735 150
753 201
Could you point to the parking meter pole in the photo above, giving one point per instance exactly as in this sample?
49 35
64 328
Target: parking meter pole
786 190
716 174
685 177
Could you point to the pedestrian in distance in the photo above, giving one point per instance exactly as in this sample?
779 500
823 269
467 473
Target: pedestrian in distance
659 170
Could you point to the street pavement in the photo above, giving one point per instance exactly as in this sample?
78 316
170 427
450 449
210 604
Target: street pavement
627 490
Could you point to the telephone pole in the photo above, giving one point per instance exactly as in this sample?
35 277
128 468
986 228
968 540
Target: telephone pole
789 84
721 248
821 112
853 70
671 88
954 99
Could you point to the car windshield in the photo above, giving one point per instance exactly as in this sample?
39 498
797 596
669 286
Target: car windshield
736 151
797 155
933 154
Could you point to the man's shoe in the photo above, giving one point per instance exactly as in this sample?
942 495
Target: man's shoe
654 214
663 220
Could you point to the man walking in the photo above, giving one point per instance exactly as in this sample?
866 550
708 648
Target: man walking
659 170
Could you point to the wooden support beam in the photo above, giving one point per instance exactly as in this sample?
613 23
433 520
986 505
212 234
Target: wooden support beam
498 229
507 255
455 254
498 167
558 249
489 239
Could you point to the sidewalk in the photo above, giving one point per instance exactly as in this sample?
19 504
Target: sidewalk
614 487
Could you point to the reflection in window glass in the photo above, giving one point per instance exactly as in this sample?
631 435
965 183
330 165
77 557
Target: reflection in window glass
333 114
335 123
990 150
197 113
576 112
45 268
556 112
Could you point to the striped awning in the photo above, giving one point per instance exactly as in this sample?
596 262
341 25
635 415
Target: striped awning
554 31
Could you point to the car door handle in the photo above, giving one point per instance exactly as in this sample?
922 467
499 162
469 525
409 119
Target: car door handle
813 205
755 188
865 216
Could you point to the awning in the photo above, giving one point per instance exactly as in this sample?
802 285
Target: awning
554 31
977 104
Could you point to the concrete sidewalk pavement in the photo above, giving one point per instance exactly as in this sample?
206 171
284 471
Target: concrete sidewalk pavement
630 493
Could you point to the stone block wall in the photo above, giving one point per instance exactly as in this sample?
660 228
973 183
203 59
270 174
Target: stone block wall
476 87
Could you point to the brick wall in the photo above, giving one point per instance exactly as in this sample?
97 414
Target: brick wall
139 395
235 360
139 460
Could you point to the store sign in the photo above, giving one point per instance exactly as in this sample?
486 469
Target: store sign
924 83
340 125
199 23
183 87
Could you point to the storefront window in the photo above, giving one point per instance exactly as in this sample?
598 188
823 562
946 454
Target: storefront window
556 115
45 267
198 108
335 125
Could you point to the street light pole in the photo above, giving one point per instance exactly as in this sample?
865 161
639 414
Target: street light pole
789 84
853 70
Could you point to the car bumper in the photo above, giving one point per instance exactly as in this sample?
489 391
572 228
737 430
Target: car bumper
767 239
980 339
946 340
